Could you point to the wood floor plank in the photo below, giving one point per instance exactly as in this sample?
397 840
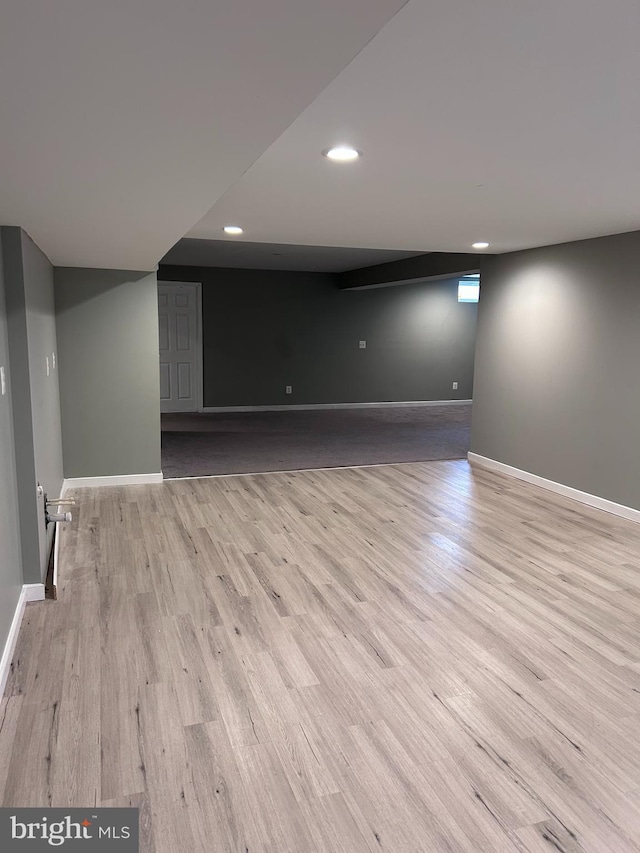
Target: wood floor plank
10 708
223 820
167 771
76 750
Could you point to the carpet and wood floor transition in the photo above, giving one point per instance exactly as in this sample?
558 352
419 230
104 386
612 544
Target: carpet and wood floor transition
415 658
194 445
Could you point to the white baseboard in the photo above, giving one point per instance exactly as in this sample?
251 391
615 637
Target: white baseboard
56 560
305 407
559 488
33 591
29 592
118 480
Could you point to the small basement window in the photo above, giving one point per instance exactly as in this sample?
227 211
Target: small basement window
468 290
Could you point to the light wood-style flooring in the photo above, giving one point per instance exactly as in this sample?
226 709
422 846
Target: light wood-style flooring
408 658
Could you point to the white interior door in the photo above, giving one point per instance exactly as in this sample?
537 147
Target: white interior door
180 352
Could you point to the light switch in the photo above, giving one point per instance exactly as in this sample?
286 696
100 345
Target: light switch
53 360
3 383
363 344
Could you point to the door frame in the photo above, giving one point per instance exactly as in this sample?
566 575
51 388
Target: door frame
199 347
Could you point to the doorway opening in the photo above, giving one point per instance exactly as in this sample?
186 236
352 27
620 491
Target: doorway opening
180 336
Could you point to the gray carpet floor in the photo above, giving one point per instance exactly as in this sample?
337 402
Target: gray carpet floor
195 445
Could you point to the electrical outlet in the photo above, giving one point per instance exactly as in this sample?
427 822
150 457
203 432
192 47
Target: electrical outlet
455 386
288 389
48 369
53 360
363 344
3 382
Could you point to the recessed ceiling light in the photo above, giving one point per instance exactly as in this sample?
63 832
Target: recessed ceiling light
232 229
480 245
342 154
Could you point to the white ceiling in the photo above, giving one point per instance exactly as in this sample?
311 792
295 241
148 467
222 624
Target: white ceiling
124 120
516 123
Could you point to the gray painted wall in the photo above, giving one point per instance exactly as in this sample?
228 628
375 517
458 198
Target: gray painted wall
10 557
36 406
43 345
557 381
263 330
108 371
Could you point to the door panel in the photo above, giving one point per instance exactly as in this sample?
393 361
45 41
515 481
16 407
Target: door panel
184 381
180 354
183 332
164 331
165 382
